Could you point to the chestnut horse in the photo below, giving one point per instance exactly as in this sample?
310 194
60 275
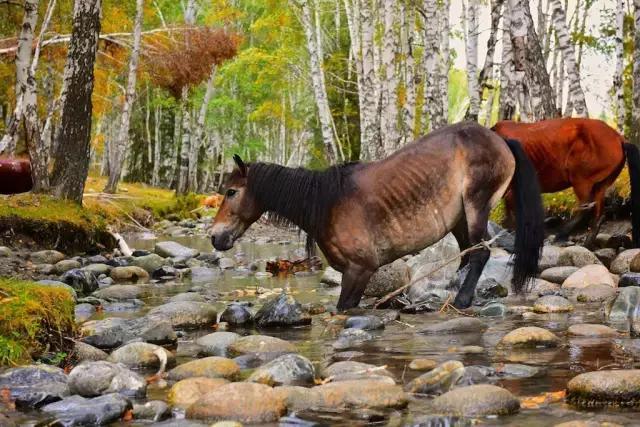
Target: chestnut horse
15 176
585 154
363 216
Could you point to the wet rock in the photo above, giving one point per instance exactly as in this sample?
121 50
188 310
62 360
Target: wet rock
175 250
591 330
260 344
349 370
388 278
203 274
508 371
589 275
282 310
435 257
185 314
455 326
226 263
549 257
217 343
113 332
422 364
350 337
97 259
552 304
164 272
5 252
34 385
577 256
46 257
369 393
498 270
557 274
210 367
130 305
490 289
477 400
119 292
85 352
437 381
634 265
243 402
602 388
83 311
79 411
441 421
290 369
58 284
186 392
606 256
625 310
529 336
493 309
543 287
90 379
187 296
149 263
595 293
84 282
142 354
129 274
366 323
97 269
65 265
629 279
46 269
331 277
621 264
237 314
255 360
154 410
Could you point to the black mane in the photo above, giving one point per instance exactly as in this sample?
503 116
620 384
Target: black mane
299 196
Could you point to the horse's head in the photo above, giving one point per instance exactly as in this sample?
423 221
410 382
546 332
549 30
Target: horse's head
238 209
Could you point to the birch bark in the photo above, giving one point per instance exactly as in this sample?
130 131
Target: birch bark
471 42
390 80
618 78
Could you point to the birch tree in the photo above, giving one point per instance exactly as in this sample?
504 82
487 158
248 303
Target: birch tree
407 29
568 54
508 86
470 23
199 131
635 131
432 70
390 79
73 151
118 147
618 83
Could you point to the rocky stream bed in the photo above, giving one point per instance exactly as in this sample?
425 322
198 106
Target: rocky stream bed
178 335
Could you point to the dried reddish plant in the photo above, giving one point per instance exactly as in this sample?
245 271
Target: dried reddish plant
185 59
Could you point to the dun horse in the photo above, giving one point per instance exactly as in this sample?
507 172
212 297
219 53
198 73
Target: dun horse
363 216
585 154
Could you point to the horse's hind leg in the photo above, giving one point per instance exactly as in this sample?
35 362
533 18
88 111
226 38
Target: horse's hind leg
354 281
476 229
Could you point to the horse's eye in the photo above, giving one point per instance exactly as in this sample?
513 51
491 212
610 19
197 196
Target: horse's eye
231 192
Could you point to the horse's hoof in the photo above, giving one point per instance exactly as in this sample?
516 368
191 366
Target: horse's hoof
461 304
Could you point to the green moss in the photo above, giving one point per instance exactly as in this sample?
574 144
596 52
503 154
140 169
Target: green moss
33 318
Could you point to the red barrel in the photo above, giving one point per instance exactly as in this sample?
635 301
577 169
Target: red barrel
15 176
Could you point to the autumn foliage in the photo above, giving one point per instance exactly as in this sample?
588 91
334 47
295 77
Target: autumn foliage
185 59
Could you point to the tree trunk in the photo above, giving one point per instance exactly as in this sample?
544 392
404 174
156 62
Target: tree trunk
73 147
444 63
487 69
568 54
408 28
508 88
618 81
157 147
635 131
389 81
317 80
198 133
117 150
471 42
185 146
433 100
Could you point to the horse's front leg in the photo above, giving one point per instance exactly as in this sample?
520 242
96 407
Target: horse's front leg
477 260
354 281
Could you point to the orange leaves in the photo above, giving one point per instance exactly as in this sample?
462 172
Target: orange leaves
213 201
535 402
283 267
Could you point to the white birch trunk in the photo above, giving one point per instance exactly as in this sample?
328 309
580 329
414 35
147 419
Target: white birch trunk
508 94
198 132
409 106
371 147
444 63
487 69
157 147
618 78
389 82
471 42
430 61
635 131
183 168
117 150
568 53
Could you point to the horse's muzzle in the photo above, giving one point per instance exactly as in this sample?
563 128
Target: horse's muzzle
222 242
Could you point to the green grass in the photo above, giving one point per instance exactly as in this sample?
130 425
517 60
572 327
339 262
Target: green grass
33 318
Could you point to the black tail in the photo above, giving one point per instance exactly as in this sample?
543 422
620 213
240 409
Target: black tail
633 161
529 218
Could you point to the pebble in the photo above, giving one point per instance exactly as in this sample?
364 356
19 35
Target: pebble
529 336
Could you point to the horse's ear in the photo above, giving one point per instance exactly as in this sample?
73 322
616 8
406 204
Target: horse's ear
241 166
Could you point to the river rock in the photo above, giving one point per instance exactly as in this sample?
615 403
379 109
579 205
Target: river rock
142 354
456 326
624 312
499 270
149 263
226 263
243 402
237 314
508 371
350 337
210 367
621 264
435 257
629 279
589 275
591 330
490 289
331 277
154 410
85 352
65 265
290 369
119 292
366 393
79 411
577 256
595 293
187 296
46 257
558 274
282 310
606 256
186 392
34 385
97 269
366 323
388 278
114 332
129 274
166 272
200 274
175 250
348 370
529 336
84 282
552 304
493 309
185 314
549 257
422 364
90 379
58 284
477 400
437 381
5 252
260 344
541 287
217 343
607 387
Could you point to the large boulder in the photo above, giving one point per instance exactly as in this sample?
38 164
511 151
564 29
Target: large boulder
185 314
119 292
289 369
260 344
186 392
622 263
438 380
84 282
434 257
210 367
149 263
129 274
388 278
529 336
90 379
347 370
175 250
237 314
589 275
46 257
552 304
65 265
142 354
577 256
624 313
603 388
549 257
364 393
79 411
34 385
217 343
477 401
282 310
558 274
114 332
